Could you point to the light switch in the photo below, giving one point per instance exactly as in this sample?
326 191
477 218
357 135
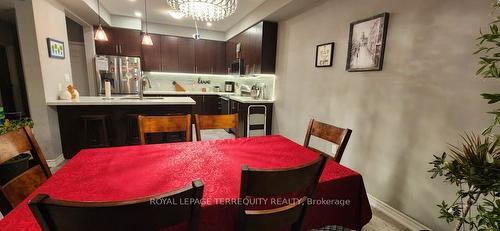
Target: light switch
67 78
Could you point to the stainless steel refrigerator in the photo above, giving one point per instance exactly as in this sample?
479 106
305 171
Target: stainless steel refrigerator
122 72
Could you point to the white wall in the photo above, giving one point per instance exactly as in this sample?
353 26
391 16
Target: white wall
426 94
38 20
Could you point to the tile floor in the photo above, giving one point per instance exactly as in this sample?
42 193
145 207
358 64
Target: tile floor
379 222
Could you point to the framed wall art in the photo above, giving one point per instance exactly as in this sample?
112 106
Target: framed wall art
56 48
324 54
367 43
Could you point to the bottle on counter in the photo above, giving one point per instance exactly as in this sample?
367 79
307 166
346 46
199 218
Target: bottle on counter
107 89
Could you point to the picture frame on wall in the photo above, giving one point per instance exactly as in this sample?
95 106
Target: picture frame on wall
324 54
55 48
367 39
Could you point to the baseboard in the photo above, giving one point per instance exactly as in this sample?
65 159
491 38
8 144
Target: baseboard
396 215
55 162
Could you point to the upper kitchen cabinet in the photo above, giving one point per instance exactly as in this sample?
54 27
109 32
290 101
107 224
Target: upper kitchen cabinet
257 48
152 59
169 53
210 57
122 42
187 62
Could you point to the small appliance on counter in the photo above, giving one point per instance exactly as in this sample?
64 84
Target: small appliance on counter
245 90
229 86
238 67
123 74
255 92
216 88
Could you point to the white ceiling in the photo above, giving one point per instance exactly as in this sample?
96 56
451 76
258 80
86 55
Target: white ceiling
158 12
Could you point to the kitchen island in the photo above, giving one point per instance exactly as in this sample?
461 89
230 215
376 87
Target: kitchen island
98 122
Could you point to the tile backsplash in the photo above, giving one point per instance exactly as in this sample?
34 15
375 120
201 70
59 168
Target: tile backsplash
162 81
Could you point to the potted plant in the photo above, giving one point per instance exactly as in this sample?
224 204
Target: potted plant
474 165
20 163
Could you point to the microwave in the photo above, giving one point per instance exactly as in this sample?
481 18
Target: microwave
238 67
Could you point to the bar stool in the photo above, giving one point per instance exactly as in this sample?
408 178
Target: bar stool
101 139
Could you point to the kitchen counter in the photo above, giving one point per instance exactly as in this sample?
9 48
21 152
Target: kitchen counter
186 93
228 95
129 100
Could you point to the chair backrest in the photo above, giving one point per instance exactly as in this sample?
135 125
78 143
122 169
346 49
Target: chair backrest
216 122
336 135
17 189
278 182
148 214
161 124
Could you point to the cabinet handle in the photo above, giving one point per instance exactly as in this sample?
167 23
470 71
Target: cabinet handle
116 48
120 48
196 69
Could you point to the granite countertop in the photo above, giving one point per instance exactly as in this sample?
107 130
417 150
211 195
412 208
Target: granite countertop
123 100
229 95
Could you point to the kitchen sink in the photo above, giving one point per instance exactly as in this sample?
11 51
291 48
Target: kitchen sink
137 98
134 98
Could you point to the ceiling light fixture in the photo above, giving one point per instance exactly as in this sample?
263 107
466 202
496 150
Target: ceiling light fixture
138 14
196 35
176 14
100 35
205 10
209 24
146 38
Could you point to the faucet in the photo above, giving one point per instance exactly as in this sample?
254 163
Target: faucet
143 81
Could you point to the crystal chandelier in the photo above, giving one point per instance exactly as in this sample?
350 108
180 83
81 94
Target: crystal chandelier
205 10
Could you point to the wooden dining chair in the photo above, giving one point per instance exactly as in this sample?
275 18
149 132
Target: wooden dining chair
336 135
259 183
216 122
162 124
148 214
17 189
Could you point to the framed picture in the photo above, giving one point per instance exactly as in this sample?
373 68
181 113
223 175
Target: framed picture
56 48
324 55
367 43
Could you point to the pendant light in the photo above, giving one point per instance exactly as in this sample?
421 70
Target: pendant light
146 38
100 35
205 10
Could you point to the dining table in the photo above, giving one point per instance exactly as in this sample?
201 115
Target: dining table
130 172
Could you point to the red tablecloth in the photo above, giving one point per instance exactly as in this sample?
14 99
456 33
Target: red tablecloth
123 173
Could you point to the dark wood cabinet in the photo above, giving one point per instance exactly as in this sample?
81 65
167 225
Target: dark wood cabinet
257 48
122 42
211 105
170 53
187 62
177 54
210 57
220 58
186 55
202 56
152 55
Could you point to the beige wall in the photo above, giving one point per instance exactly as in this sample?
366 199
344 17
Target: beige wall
401 116
38 20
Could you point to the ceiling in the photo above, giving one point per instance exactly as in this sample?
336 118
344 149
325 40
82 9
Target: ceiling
158 12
